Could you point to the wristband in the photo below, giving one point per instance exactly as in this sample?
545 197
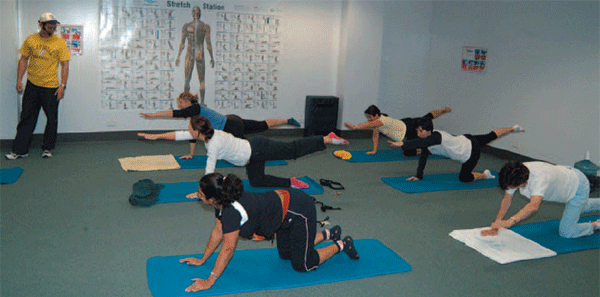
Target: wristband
63 86
213 274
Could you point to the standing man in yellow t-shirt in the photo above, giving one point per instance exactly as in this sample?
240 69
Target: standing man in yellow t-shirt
41 53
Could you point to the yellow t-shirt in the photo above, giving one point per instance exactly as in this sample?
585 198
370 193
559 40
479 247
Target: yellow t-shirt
44 55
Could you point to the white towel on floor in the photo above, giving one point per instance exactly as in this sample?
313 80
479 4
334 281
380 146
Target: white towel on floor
506 247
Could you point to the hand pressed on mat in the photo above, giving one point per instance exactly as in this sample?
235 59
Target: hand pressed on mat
199 284
489 232
192 261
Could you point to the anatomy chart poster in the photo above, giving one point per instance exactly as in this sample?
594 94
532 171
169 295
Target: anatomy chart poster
226 53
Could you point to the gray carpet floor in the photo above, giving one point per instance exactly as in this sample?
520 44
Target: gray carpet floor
67 228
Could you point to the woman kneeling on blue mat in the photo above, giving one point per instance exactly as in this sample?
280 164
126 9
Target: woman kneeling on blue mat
289 214
253 153
542 181
463 148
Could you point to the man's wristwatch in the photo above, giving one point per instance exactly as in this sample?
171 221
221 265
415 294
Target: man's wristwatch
63 86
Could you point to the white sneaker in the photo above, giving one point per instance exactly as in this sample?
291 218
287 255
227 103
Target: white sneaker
47 154
488 174
13 156
518 128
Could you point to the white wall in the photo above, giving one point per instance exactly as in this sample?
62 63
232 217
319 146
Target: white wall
311 39
309 65
405 59
542 72
8 64
360 58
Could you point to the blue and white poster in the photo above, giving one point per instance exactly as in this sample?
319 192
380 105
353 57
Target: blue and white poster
474 59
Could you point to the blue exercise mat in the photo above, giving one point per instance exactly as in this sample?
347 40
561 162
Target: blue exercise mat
384 156
546 234
262 269
438 182
9 176
314 188
175 192
199 162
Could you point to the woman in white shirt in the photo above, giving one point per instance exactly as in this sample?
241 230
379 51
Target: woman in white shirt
231 123
540 181
463 148
253 153
396 130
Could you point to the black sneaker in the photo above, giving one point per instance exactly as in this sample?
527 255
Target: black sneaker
47 154
335 233
349 248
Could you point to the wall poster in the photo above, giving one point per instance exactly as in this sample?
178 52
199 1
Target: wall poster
474 58
150 52
73 36
248 52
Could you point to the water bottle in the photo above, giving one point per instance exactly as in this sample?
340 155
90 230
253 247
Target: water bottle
589 169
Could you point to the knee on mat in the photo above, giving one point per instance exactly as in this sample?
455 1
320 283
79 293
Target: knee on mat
300 267
410 153
285 255
466 178
567 233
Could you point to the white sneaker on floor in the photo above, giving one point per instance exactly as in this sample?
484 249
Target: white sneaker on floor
47 154
13 156
518 128
488 174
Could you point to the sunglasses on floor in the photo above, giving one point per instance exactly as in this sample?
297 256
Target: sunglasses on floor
325 207
332 184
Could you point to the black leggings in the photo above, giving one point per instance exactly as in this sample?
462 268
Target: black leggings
239 127
477 141
264 149
296 235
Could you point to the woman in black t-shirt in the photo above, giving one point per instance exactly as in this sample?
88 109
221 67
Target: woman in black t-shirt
291 214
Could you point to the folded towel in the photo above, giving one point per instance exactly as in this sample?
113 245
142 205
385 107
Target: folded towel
149 163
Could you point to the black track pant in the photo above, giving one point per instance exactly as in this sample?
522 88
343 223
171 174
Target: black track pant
264 149
477 141
34 99
296 236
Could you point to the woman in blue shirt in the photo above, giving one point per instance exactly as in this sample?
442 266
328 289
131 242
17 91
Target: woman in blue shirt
231 123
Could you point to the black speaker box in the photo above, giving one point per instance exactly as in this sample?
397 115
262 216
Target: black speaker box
320 115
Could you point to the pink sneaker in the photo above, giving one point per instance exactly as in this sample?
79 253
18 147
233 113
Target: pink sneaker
337 140
298 184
